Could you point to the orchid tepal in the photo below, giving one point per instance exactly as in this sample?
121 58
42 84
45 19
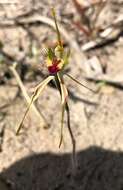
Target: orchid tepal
56 60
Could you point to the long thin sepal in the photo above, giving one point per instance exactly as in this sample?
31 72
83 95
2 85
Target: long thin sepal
35 95
62 125
75 80
57 29
64 95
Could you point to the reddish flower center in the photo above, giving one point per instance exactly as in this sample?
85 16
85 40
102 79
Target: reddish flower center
54 67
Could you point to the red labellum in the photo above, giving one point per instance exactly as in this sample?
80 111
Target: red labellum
54 68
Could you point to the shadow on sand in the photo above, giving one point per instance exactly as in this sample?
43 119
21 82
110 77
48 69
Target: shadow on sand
98 169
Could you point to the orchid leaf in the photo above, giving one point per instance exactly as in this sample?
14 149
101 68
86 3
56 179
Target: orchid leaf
35 95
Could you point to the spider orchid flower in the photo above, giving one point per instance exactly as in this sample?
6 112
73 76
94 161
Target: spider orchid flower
56 60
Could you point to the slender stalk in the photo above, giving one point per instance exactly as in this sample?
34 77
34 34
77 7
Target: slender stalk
74 160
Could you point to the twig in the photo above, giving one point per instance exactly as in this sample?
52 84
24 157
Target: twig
110 33
114 81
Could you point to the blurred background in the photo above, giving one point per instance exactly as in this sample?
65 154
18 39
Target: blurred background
93 31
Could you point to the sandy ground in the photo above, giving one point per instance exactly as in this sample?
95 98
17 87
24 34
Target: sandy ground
33 160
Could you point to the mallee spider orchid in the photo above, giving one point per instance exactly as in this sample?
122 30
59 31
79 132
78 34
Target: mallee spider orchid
56 60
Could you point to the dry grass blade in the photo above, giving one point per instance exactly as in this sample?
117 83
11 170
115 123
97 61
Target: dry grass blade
35 95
